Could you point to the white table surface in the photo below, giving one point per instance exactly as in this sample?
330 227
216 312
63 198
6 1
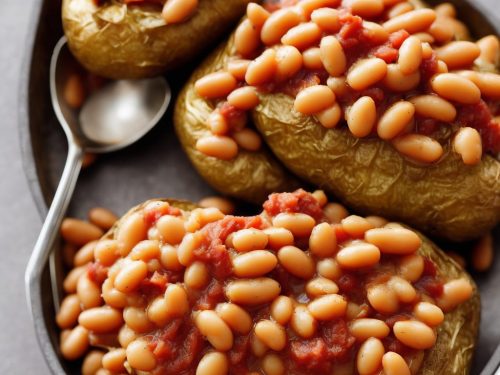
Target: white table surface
20 223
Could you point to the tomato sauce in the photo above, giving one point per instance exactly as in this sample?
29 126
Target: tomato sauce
297 202
179 345
153 213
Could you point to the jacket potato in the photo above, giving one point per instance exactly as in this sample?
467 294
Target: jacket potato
444 197
158 339
130 39
251 175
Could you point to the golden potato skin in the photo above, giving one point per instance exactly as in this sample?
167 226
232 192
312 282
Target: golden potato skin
448 199
250 176
118 42
457 335
452 354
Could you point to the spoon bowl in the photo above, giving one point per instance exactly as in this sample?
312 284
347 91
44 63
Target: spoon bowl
112 118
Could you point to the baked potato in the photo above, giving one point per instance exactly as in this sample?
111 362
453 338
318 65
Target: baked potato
443 196
158 338
127 39
251 175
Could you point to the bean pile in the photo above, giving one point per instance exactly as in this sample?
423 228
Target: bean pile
302 288
389 68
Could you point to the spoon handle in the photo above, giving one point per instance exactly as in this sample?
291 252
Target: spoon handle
45 244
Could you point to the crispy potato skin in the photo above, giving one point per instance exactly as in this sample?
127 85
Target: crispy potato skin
117 41
456 340
448 199
250 176
452 354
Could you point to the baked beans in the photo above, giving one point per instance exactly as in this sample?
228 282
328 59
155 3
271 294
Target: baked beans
221 147
114 360
244 98
366 73
70 309
177 11
299 224
358 255
289 62
216 331
394 364
302 322
302 36
296 261
455 292
399 9
410 55
314 99
321 286
79 232
367 8
271 334
217 123
254 263
75 344
383 299
483 254
467 143
415 334
369 356
312 58
459 54
159 291
415 21
273 365
323 241
356 226
332 56
92 362
101 319
257 15
335 212
278 24
394 240
223 204
215 85
278 237
327 19
235 317
89 293
327 307
428 313
452 86
139 356
419 147
396 81
490 49
361 117
246 39
213 363
253 291
433 106
102 217
364 328
196 275
85 255
249 239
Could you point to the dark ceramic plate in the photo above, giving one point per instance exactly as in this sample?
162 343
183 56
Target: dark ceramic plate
155 167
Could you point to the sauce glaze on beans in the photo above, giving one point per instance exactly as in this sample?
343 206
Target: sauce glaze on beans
373 55
251 297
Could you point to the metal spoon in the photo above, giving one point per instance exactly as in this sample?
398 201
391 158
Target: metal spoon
113 118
